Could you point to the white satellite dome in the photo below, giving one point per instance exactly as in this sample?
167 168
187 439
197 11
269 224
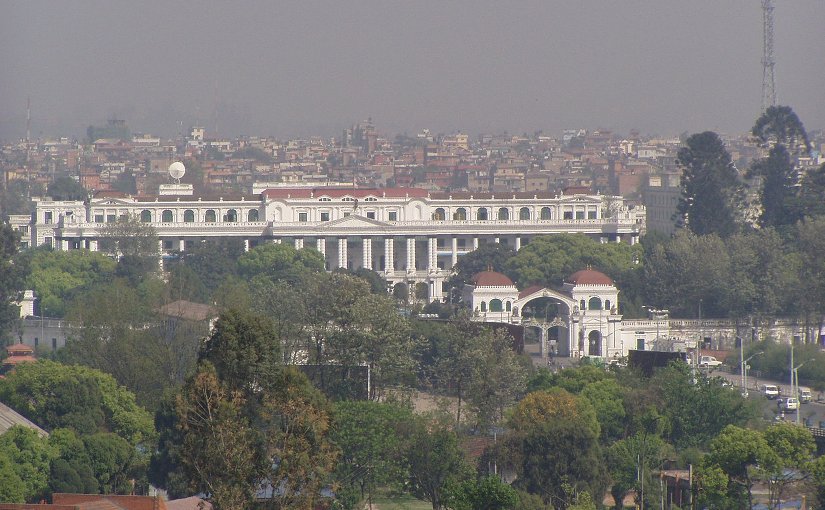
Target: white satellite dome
177 170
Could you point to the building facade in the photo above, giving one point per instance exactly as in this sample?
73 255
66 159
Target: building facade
408 235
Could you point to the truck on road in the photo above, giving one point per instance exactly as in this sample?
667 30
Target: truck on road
709 361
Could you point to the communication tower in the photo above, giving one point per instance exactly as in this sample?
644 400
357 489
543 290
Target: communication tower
768 83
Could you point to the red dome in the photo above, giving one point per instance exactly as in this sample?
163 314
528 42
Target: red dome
589 277
491 279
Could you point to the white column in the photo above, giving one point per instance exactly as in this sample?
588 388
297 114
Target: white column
633 240
321 244
93 245
410 254
160 246
518 243
618 238
342 252
475 243
432 251
160 254
299 243
389 254
544 335
366 252
454 251
181 245
64 244
246 245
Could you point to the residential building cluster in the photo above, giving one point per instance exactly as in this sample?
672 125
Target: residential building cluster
640 169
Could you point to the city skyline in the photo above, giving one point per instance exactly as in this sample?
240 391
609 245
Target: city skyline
299 69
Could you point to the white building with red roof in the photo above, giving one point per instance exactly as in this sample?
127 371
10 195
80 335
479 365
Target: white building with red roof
583 318
408 235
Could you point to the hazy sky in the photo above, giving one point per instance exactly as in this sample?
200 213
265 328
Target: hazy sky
275 67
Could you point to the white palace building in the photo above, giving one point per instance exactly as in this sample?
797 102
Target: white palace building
408 235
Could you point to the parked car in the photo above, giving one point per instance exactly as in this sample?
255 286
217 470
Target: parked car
709 361
769 390
805 395
791 404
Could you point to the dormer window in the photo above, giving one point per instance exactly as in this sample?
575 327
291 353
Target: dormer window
370 199
347 199
324 199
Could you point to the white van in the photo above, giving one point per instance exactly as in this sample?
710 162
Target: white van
769 390
805 395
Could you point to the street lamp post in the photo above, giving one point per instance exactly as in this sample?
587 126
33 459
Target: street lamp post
795 386
744 371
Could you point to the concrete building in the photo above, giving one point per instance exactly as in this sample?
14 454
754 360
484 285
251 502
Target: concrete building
409 235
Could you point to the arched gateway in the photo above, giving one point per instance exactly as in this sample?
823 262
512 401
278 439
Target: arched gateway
580 319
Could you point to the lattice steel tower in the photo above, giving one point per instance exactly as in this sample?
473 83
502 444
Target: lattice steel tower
768 83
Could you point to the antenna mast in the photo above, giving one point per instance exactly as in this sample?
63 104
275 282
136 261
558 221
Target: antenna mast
768 83
28 121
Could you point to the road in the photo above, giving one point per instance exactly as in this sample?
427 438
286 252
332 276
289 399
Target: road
813 411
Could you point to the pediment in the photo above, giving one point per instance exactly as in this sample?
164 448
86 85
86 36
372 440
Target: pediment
354 221
109 201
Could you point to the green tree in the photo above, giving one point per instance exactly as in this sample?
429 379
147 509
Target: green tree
607 398
781 131
743 455
434 460
762 277
549 260
66 188
15 198
57 276
86 400
697 412
711 200
280 262
679 275
12 274
266 421
794 448
72 470
243 350
779 125
544 425
218 453
12 488
30 456
214 260
780 182
810 243
812 193
488 493
134 244
500 378
111 458
371 437
489 256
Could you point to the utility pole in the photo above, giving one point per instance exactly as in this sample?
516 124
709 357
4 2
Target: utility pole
768 82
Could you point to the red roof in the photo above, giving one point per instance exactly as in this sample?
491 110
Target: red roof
589 277
19 349
529 290
16 360
344 192
491 279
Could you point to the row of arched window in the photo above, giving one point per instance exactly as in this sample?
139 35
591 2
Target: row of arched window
594 304
496 305
484 214
209 216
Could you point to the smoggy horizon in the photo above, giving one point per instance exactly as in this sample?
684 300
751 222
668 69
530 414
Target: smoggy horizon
313 68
